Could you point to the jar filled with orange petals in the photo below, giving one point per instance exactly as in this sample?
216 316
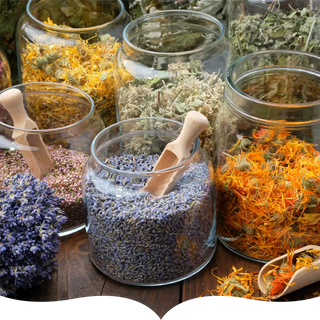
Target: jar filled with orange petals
73 43
267 171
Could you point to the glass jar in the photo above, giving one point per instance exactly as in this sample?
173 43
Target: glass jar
10 13
67 124
135 237
137 8
268 164
5 72
172 62
258 25
59 41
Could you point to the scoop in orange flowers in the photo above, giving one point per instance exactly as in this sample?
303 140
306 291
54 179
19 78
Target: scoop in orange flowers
290 272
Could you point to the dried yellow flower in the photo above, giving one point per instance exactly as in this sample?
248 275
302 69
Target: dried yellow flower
87 66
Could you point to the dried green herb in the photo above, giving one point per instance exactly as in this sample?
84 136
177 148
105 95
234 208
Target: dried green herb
189 88
213 7
79 13
294 29
284 87
10 12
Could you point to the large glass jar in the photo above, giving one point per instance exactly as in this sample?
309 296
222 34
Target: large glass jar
73 43
137 8
172 62
66 123
258 25
135 237
268 165
10 13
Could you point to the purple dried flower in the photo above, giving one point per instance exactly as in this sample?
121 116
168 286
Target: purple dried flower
30 220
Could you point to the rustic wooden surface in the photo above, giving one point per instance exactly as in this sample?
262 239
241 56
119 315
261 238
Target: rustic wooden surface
76 276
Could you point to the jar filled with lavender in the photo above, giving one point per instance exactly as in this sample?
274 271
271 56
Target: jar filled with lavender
46 130
172 62
135 237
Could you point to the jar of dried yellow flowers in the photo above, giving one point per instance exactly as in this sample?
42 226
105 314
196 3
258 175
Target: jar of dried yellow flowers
268 166
73 43
172 62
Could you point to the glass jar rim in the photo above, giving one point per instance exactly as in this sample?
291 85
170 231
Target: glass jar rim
141 173
230 83
75 30
180 13
53 130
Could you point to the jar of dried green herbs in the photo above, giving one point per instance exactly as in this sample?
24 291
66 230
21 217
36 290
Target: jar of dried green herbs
267 172
73 43
137 8
257 25
67 138
136 237
172 62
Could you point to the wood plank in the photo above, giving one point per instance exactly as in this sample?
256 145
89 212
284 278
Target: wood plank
74 277
77 276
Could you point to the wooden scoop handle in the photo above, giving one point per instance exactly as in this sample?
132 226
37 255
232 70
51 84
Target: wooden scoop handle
194 124
12 101
34 150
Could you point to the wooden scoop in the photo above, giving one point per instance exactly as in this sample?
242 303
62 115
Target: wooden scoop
39 161
174 153
301 278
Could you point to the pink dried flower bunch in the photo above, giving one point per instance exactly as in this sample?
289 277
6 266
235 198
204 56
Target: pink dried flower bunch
65 179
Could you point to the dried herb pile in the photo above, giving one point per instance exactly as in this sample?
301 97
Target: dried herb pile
5 73
10 13
277 279
64 180
138 238
268 194
82 64
213 7
78 13
237 284
276 29
30 220
189 88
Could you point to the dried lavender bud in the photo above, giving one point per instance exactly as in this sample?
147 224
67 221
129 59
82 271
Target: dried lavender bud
137 238
65 179
30 221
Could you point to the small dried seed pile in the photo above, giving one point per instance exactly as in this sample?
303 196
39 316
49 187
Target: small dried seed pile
140 239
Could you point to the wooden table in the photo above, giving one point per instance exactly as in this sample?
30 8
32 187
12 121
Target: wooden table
76 276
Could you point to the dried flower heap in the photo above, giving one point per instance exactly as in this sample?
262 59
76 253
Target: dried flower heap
137 238
237 284
84 64
269 191
30 220
190 88
276 29
277 279
65 179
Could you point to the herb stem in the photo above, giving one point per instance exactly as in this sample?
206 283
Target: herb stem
310 33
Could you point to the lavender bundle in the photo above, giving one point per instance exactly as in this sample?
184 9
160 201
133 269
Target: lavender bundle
30 220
